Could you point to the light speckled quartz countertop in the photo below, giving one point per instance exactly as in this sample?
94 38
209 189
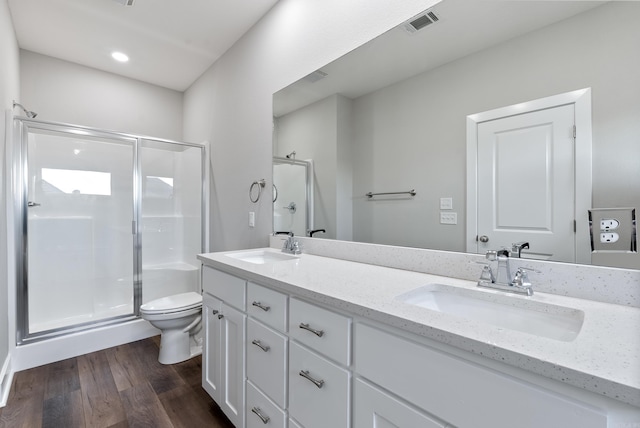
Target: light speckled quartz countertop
604 358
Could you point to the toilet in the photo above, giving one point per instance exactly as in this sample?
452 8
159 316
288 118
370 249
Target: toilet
177 317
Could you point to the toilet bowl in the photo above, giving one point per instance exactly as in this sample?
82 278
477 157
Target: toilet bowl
177 317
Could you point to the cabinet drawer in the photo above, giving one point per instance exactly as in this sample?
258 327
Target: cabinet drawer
442 385
323 400
324 331
262 412
267 360
267 305
374 408
228 288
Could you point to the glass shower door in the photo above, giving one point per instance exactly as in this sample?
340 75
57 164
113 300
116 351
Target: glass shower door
80 246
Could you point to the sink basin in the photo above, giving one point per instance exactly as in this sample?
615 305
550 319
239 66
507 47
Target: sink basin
508 312
261 257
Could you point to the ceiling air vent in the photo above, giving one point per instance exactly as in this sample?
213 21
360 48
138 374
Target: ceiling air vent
419 22
315 76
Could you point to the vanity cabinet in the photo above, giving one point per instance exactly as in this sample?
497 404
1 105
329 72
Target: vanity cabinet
223 371
312 367
456 391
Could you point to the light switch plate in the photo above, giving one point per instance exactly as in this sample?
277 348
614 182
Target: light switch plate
446 203
448 218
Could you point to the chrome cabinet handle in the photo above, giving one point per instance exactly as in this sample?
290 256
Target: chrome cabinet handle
261 306
220 316
265 348
305 374
483 238
263 418
318 333
215 311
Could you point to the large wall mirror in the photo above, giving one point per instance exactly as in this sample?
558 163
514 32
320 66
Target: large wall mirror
391 116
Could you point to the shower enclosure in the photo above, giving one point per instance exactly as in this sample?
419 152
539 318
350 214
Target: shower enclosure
107 221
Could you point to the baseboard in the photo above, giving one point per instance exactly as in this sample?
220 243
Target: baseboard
6 377
61 348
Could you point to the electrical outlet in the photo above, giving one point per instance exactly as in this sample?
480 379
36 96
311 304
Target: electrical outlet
448 218
446 203
609 237
252 219
609 224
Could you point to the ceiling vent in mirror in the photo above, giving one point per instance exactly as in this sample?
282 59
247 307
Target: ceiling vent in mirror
421 21
315 76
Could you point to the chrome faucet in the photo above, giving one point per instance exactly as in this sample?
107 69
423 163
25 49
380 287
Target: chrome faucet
517 247
502 279
291 245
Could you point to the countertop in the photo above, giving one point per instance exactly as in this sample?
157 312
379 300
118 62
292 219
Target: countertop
604 358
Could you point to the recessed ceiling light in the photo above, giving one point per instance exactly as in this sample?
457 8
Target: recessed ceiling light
120 57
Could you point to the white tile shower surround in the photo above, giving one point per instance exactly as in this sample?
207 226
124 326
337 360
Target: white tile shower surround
603 358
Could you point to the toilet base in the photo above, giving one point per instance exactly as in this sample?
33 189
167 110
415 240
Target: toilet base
179 347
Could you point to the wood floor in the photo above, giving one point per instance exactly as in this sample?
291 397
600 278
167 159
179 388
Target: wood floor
118 387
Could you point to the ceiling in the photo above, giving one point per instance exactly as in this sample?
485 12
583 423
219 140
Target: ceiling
170 43
464 27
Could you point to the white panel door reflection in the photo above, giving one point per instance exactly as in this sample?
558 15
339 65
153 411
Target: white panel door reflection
526 183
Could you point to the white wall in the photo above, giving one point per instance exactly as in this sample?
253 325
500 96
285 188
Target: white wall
62 91
231 104
9 90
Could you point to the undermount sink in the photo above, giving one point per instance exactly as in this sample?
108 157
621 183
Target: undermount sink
508 312
261 257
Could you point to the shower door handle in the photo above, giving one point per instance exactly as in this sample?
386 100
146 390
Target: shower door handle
33 204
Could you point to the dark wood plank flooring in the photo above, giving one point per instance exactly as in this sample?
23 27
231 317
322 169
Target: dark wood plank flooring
119 387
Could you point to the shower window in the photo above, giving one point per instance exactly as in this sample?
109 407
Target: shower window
76 181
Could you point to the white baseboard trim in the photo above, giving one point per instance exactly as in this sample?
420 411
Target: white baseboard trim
6 377
73 345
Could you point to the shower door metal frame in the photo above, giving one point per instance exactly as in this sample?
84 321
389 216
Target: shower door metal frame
21 127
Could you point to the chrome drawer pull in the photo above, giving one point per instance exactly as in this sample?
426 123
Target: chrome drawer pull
318 333
305 374
261 306
256 342
263 418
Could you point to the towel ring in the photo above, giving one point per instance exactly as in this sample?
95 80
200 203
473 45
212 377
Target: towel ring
260 183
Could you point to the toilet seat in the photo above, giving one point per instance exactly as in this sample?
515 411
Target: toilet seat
172 304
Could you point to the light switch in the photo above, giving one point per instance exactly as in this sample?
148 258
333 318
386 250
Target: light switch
446 203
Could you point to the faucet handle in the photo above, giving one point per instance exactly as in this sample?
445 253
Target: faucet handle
521 280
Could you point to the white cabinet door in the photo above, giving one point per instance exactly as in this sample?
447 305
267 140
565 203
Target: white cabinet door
232 337
211 364
318 390
376 409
